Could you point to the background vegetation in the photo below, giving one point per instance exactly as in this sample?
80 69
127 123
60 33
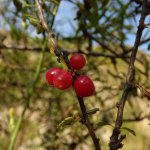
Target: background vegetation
100 32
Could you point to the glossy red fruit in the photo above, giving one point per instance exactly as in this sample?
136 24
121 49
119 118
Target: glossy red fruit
77 61
84 86
63 80
50 75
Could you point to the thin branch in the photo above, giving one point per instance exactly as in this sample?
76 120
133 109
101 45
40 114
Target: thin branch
96 54
99 42
51 35
115 143
38 49
142 42
88 124
32 48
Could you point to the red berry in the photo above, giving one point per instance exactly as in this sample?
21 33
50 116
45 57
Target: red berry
50 75
77 61
84 86
63 80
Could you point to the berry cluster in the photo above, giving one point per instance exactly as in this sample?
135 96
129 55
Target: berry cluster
62 80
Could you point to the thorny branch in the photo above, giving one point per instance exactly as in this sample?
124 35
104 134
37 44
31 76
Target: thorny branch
115 143
58 53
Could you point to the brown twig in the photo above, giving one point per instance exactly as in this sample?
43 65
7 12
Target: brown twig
115 143
58 53
38 49
88 124
96 54
51 35
142 42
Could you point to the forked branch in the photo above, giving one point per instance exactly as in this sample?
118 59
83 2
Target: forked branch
115 142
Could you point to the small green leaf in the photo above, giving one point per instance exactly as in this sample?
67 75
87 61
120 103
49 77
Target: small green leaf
24 25
92 111
53 1
28 5
34 22
149 124
28 15
100 124
67 122
130 130
129 27
39 29
113 75
55 11
18 4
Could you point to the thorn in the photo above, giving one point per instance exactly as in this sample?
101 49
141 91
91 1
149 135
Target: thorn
117 104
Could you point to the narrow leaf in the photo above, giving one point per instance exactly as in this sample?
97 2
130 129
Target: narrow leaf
130 130
67 122
100 124
28 15
53 1
63 62
113 75
28 5
92 111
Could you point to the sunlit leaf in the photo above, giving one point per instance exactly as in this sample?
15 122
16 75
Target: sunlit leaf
55 11
63 63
